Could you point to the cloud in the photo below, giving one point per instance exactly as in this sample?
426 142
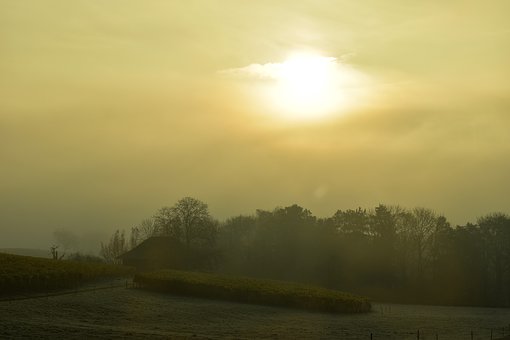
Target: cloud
254 71
271 71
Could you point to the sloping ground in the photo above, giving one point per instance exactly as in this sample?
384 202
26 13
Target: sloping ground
140 314
27 252
31 274
251 290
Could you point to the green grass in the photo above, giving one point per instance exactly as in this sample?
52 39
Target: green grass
251 290
31 274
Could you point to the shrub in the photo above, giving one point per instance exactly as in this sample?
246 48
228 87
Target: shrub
251 290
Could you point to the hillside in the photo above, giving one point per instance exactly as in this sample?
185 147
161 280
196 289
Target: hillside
28 274
27 252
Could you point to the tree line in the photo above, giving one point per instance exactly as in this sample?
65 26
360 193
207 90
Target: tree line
389 253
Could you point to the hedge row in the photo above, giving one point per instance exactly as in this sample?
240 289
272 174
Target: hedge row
250 290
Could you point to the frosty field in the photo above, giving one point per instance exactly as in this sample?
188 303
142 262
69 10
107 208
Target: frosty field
132 313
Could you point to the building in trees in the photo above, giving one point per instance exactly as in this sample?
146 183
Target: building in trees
165 252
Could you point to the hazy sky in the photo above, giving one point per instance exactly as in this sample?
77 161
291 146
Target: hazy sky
111 109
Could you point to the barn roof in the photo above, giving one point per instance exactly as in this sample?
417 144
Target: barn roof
154 247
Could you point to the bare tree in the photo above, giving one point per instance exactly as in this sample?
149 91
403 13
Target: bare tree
54 253
115 247
146 229
134 238
166 224
418 230
188 220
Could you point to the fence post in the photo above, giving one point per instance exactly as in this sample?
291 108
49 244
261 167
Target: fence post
491 333
471 335
370 336
418 334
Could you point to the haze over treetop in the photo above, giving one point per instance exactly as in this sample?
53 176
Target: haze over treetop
110 110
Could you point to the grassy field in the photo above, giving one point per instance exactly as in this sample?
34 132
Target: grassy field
251 290
30 274
142 314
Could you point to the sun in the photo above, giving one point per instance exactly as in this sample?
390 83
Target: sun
306 86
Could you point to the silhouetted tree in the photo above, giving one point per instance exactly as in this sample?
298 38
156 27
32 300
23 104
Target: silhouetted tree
189 221
146 229
353 222
384 234
115 247
54 253
495 232
166 224
390 253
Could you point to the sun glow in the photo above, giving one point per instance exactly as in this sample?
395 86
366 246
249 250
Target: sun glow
306 86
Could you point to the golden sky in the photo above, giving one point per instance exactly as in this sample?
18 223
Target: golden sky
112 109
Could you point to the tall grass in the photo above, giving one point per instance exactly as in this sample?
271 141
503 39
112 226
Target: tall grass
25 273
251 290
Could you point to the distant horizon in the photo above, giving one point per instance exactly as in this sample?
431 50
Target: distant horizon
89 239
